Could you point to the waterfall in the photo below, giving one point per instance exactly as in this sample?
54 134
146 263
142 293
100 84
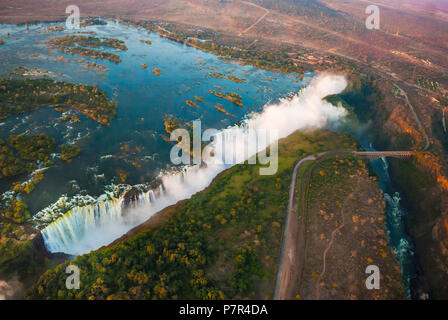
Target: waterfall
89 227
78 224
86 228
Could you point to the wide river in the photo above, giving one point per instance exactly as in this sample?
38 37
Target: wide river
132 144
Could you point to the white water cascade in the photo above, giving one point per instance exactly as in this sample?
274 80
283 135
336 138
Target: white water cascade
85 225
87 228
75 225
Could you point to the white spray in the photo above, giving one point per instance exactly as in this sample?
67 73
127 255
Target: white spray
88 228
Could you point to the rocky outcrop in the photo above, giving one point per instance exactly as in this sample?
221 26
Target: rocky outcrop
130 199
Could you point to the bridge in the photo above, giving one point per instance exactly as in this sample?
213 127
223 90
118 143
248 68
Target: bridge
384 154
294 236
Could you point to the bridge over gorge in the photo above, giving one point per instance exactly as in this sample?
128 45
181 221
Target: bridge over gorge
294 235
382 154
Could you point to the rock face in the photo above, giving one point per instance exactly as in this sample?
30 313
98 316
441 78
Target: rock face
130 199
39 252
432 251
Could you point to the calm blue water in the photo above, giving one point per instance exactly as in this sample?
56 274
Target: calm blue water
133 143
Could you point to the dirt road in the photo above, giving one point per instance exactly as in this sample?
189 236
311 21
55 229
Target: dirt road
259 20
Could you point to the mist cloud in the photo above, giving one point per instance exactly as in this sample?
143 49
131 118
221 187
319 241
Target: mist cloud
83 229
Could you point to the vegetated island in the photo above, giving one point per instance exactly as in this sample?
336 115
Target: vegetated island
24 95
231 96
88 41
25 153
19 153
69 152
192 104
75 45
235 79
55 29
223 243
70 117
92 21
221 109
95 54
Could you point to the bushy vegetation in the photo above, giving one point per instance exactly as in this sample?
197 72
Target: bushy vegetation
92 22
19 155
28 186
69 152
231 96
32 147
70 118
91 53
88 41
224 242
29 148
9 164
18 255
24 95
16 258
15 211
75 44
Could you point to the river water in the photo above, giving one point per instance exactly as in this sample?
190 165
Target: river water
132 143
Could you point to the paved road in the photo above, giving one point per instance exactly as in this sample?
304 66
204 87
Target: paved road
286 276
